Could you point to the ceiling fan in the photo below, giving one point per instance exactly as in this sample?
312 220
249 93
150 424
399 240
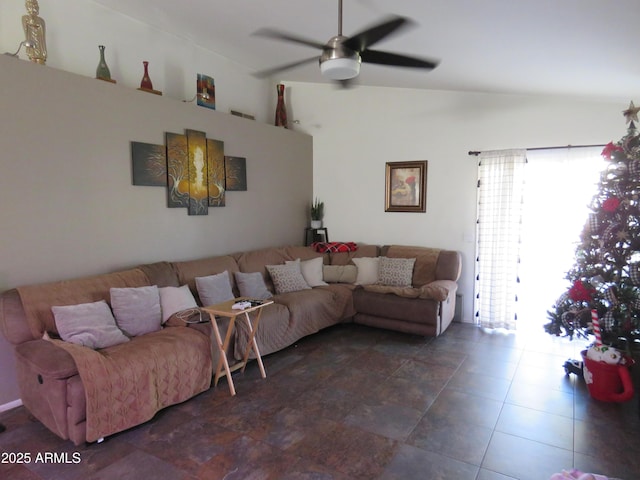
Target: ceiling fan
341 56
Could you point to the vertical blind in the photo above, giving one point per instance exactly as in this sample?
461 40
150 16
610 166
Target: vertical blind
499 226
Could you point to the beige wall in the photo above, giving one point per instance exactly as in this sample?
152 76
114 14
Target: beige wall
67 203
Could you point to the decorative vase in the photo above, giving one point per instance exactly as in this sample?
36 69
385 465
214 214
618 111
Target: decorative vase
102 72
281 109
146 81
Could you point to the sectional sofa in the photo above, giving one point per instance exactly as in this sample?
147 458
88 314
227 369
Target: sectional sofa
101 354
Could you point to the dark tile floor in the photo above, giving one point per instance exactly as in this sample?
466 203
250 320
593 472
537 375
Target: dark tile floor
353 402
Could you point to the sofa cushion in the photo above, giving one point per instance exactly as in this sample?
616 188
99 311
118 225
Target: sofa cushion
427 259
367 270
137 309
346 258
252 285
295 315
311 270
395 307
395 272
288 277
161 274
89 324
38 299
433 291
175 299
188 271
214 289
340 273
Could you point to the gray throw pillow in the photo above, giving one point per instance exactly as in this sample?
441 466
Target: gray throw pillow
88 324
252 285
214 289
137 310
288 277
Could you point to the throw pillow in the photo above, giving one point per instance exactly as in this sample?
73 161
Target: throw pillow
395 272
88 324
340 273
214 289
311 270
288 277
137 310
367 270
252 285
175 299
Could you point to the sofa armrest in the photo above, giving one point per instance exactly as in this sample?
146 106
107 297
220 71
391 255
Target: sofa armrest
449 285
46 358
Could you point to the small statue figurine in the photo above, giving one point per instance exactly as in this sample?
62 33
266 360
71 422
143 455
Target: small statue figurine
34 31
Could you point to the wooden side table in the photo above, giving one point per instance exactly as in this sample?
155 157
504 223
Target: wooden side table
225 310
315 235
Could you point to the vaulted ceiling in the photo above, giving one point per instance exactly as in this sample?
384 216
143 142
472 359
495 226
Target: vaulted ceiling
563 47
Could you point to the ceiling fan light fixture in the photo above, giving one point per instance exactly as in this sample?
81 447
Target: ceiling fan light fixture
340 68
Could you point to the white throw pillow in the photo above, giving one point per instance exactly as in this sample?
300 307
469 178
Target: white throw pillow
396 272
288 277
88 324
175 299
311 270
367 270
214 289
251 285
137 310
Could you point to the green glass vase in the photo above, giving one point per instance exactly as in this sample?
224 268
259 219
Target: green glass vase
102 72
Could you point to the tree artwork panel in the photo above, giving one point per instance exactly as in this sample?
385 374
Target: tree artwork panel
177 171
215 167
149 164
198 191
236 173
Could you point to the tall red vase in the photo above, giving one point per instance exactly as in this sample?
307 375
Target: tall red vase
281 109
146 81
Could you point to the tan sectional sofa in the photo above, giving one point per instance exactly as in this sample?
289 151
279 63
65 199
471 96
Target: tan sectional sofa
85 394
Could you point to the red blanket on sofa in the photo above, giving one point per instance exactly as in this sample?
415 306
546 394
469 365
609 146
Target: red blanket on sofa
334 247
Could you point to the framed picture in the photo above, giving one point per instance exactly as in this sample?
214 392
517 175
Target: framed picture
406 186
206 89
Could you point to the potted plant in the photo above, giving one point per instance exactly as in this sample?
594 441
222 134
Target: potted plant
317 213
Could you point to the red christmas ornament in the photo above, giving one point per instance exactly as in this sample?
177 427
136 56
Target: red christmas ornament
581 292
611 204
608 150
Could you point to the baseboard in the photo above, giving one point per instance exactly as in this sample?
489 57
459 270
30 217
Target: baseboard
10 405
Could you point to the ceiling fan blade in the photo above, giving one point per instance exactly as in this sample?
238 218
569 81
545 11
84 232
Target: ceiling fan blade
396 60
274 70
360 41
288 37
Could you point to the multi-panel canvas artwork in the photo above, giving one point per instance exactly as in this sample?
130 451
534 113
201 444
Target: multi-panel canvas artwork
192 167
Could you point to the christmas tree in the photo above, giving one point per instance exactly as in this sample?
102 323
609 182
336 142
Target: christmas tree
606 273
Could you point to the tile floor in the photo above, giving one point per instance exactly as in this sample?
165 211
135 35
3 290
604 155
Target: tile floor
352 402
